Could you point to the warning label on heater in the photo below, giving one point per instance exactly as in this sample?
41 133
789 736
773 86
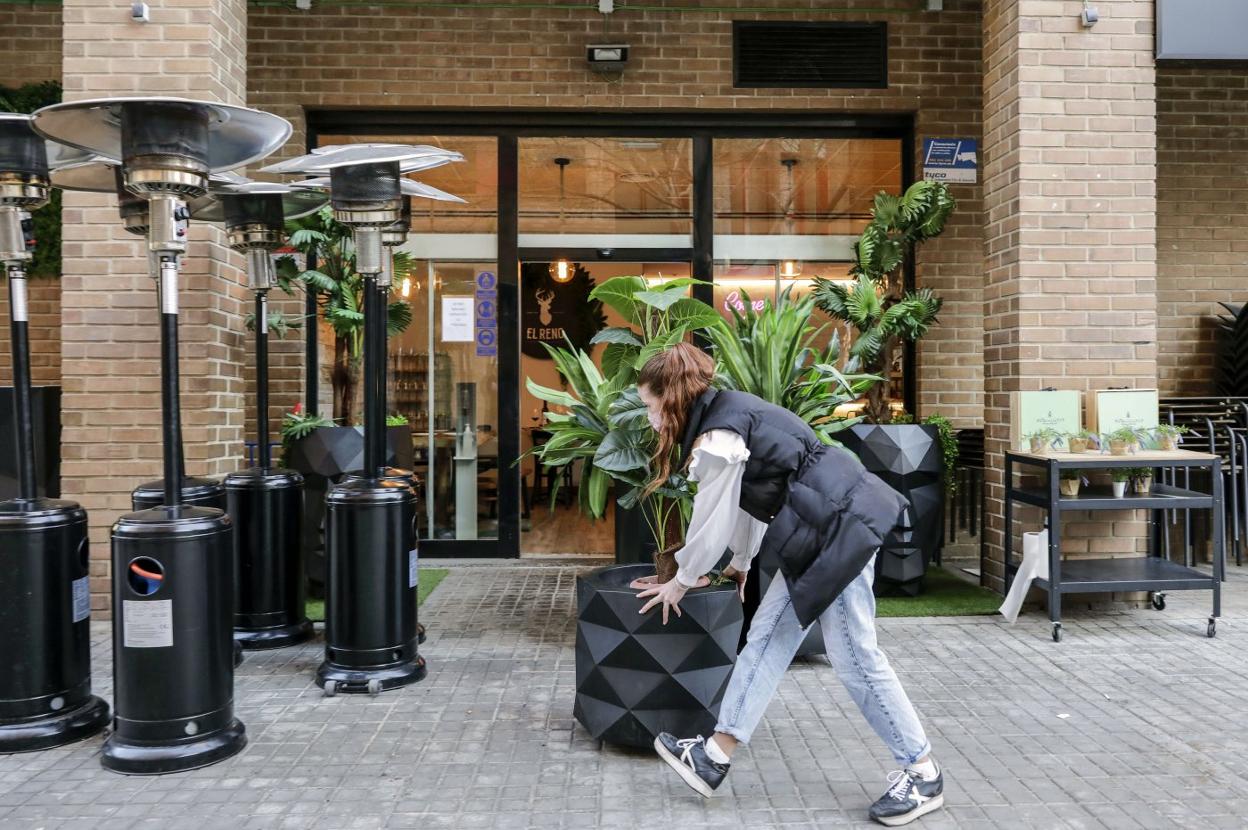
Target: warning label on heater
82 600
413 570
148 624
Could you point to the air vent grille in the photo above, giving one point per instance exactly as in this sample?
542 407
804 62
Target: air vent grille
810 55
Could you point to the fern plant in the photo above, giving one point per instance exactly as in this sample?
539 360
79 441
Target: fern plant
339 291
881 314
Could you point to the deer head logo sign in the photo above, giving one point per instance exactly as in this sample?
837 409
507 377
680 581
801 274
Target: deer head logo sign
544 298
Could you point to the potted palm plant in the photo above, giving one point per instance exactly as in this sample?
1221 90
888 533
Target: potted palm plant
884 316
636 677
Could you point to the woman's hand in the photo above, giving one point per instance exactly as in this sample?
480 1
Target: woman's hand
738 577
670 594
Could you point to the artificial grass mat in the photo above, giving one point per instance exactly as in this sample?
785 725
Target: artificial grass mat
429 579
944 595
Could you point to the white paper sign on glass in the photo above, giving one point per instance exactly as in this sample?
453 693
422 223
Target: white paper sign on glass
457 319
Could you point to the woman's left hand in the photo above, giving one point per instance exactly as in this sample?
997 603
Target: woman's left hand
670 594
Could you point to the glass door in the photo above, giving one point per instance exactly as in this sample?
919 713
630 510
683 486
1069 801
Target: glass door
555 308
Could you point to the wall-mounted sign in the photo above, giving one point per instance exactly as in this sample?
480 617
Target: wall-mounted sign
486 314
457 319
951 160
1110 410
555 313
1030 412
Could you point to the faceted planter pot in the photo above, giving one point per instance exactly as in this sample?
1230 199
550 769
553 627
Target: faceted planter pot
636 677
908 457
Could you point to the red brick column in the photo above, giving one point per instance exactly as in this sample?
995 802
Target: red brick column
110 366
1069 196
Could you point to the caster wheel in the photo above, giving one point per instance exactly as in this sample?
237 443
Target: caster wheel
1212 630
1057 632
331 688
1159 602
374 687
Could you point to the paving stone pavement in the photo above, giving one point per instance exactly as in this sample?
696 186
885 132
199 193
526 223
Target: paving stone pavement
1136 720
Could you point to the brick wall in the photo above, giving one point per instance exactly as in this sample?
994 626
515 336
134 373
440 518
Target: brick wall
111 407
391 56
1202 216
1070 293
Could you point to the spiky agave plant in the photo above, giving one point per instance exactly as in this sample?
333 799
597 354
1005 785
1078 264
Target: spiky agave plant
882 314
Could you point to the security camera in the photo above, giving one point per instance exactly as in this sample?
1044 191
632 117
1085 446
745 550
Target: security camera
610 57
1089 16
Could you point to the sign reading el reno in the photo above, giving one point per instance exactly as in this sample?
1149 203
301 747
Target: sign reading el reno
951 160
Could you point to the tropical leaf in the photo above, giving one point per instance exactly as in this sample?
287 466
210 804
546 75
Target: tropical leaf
617 358
662 300
620 293
616 334
691 315
657 345
543 393
621 451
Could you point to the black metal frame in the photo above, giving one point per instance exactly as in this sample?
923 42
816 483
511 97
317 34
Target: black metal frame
1154 573
508 126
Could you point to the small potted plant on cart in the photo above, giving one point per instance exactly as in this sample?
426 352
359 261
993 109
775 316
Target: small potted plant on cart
1043 440
1124 441
1168 436
1141 480
1121 476
1082 441
1070 482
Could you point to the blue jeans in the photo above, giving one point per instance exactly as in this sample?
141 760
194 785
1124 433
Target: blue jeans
849 639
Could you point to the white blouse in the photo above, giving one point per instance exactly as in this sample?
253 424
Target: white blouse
718 523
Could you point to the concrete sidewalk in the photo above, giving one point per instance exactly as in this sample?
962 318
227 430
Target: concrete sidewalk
1134 720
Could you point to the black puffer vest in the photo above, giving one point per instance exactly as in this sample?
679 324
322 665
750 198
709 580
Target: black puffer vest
826 514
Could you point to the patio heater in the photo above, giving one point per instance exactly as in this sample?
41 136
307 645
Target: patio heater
371 642
173 572
45 609
264 502
98 174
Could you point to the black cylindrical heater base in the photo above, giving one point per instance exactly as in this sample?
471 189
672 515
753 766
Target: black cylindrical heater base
409 478
198 492
45 609
173 642
370 603
266 507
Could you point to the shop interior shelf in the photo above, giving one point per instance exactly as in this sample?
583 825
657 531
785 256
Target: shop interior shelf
1148 573
1161 497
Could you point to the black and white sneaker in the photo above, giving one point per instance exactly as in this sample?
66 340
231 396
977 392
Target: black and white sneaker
688 757
909 797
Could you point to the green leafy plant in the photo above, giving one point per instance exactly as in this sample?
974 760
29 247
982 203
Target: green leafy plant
1082 441
396 420
1171 429
339 291
774 354
1122 473
948 443
46 221
882 314
279 324
600 421
297 425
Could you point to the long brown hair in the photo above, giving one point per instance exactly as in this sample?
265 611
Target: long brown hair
677 377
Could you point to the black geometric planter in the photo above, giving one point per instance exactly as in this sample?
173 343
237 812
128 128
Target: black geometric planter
636 677
634 543
908 457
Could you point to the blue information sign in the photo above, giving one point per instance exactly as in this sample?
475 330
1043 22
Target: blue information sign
951 160
486 314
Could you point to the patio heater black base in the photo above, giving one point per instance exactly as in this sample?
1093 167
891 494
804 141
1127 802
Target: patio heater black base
199 492
135 758
267 509
173 643
62 728
45 688
370 603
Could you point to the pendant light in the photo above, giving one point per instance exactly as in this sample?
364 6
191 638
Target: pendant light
789 268
561 269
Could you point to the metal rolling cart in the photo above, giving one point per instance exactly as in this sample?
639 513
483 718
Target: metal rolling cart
1154 573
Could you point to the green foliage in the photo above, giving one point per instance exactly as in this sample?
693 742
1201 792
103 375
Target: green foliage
874 304
339 292
1171 430
1047 435
279 324
1122 473
1125 434
396 420
774 354
296 425
46 262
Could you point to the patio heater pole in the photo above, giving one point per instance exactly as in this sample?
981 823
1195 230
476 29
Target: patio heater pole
45 688
173 572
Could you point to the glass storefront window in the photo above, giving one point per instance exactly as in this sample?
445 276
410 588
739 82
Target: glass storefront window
596 186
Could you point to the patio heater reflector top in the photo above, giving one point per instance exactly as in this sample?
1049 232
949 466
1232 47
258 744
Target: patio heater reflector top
23 163
407 187
240 203
168 145
412 158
